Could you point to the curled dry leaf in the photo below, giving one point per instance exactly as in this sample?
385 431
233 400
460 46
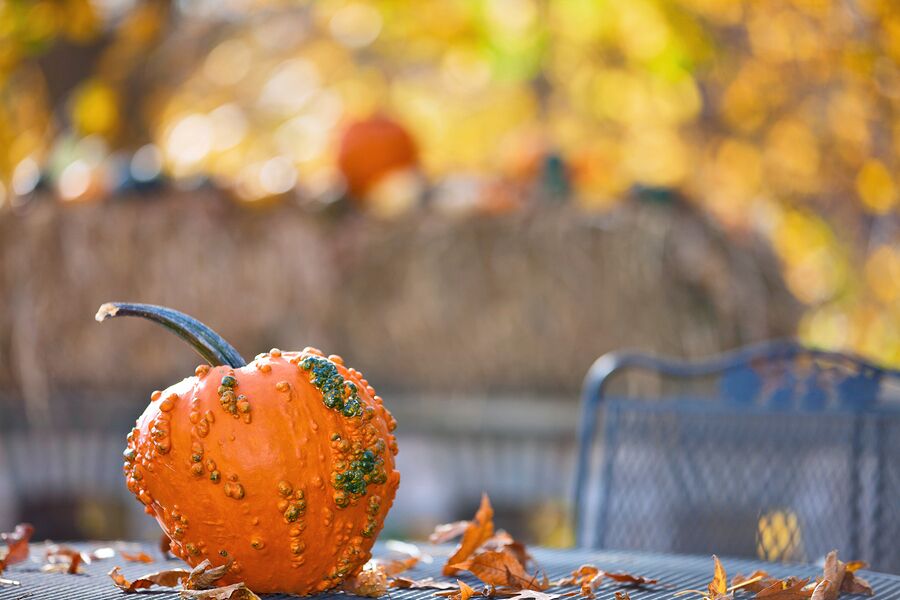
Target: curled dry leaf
843 578
718 587
16 545
788 589
823 590
61 559
630 580
504 541
755 582
501 569
170 578
478 531
204 576
236 591
142 557
622 596
429 583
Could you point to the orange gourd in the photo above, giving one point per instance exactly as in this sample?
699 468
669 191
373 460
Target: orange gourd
282 468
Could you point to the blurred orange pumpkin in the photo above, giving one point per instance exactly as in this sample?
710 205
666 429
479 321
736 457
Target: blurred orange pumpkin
371 149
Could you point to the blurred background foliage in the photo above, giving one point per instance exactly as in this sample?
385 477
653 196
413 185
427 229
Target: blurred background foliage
775 117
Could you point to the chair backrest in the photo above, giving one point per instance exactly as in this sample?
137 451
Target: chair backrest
775 451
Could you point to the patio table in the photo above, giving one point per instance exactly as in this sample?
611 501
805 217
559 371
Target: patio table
674 572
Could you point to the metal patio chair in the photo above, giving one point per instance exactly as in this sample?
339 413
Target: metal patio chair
774 451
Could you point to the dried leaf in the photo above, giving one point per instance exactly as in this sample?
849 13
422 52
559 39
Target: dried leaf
476 533
630 580
170 578
504 541
501 568
236 591
447 532
465 590
788 589
579 575
824 590
429 583
16 545
204 576
372 582
622 596
843 577
755 582
137 557
62 559
718 587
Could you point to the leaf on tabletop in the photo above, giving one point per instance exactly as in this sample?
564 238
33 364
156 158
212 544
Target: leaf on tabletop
16 545
142 557
429 583
630 580
755 582
479 530
843 577
622 596
204 576
823 590
718 587
447 532
372 582
579 575
504 541
236 591
788 589
170 578
61 559
501 568
465 591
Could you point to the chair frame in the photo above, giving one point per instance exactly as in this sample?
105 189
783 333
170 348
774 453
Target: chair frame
594 392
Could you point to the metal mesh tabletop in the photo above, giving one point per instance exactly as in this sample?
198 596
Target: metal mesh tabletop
673 572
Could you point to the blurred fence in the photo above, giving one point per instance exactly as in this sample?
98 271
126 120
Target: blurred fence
444 316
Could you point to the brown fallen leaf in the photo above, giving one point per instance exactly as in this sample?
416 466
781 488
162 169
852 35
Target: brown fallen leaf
16 545
61 559
478 531
428 583
236 591
787 589
501 569
448 532
755 582
630 580
170 578
204 576
622 596
718 587
502 540
823 590
843 578
142 557
372 582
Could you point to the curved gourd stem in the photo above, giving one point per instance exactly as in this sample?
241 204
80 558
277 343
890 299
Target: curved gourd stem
208 344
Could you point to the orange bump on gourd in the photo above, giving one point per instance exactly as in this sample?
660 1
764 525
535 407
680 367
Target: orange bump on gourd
282 468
